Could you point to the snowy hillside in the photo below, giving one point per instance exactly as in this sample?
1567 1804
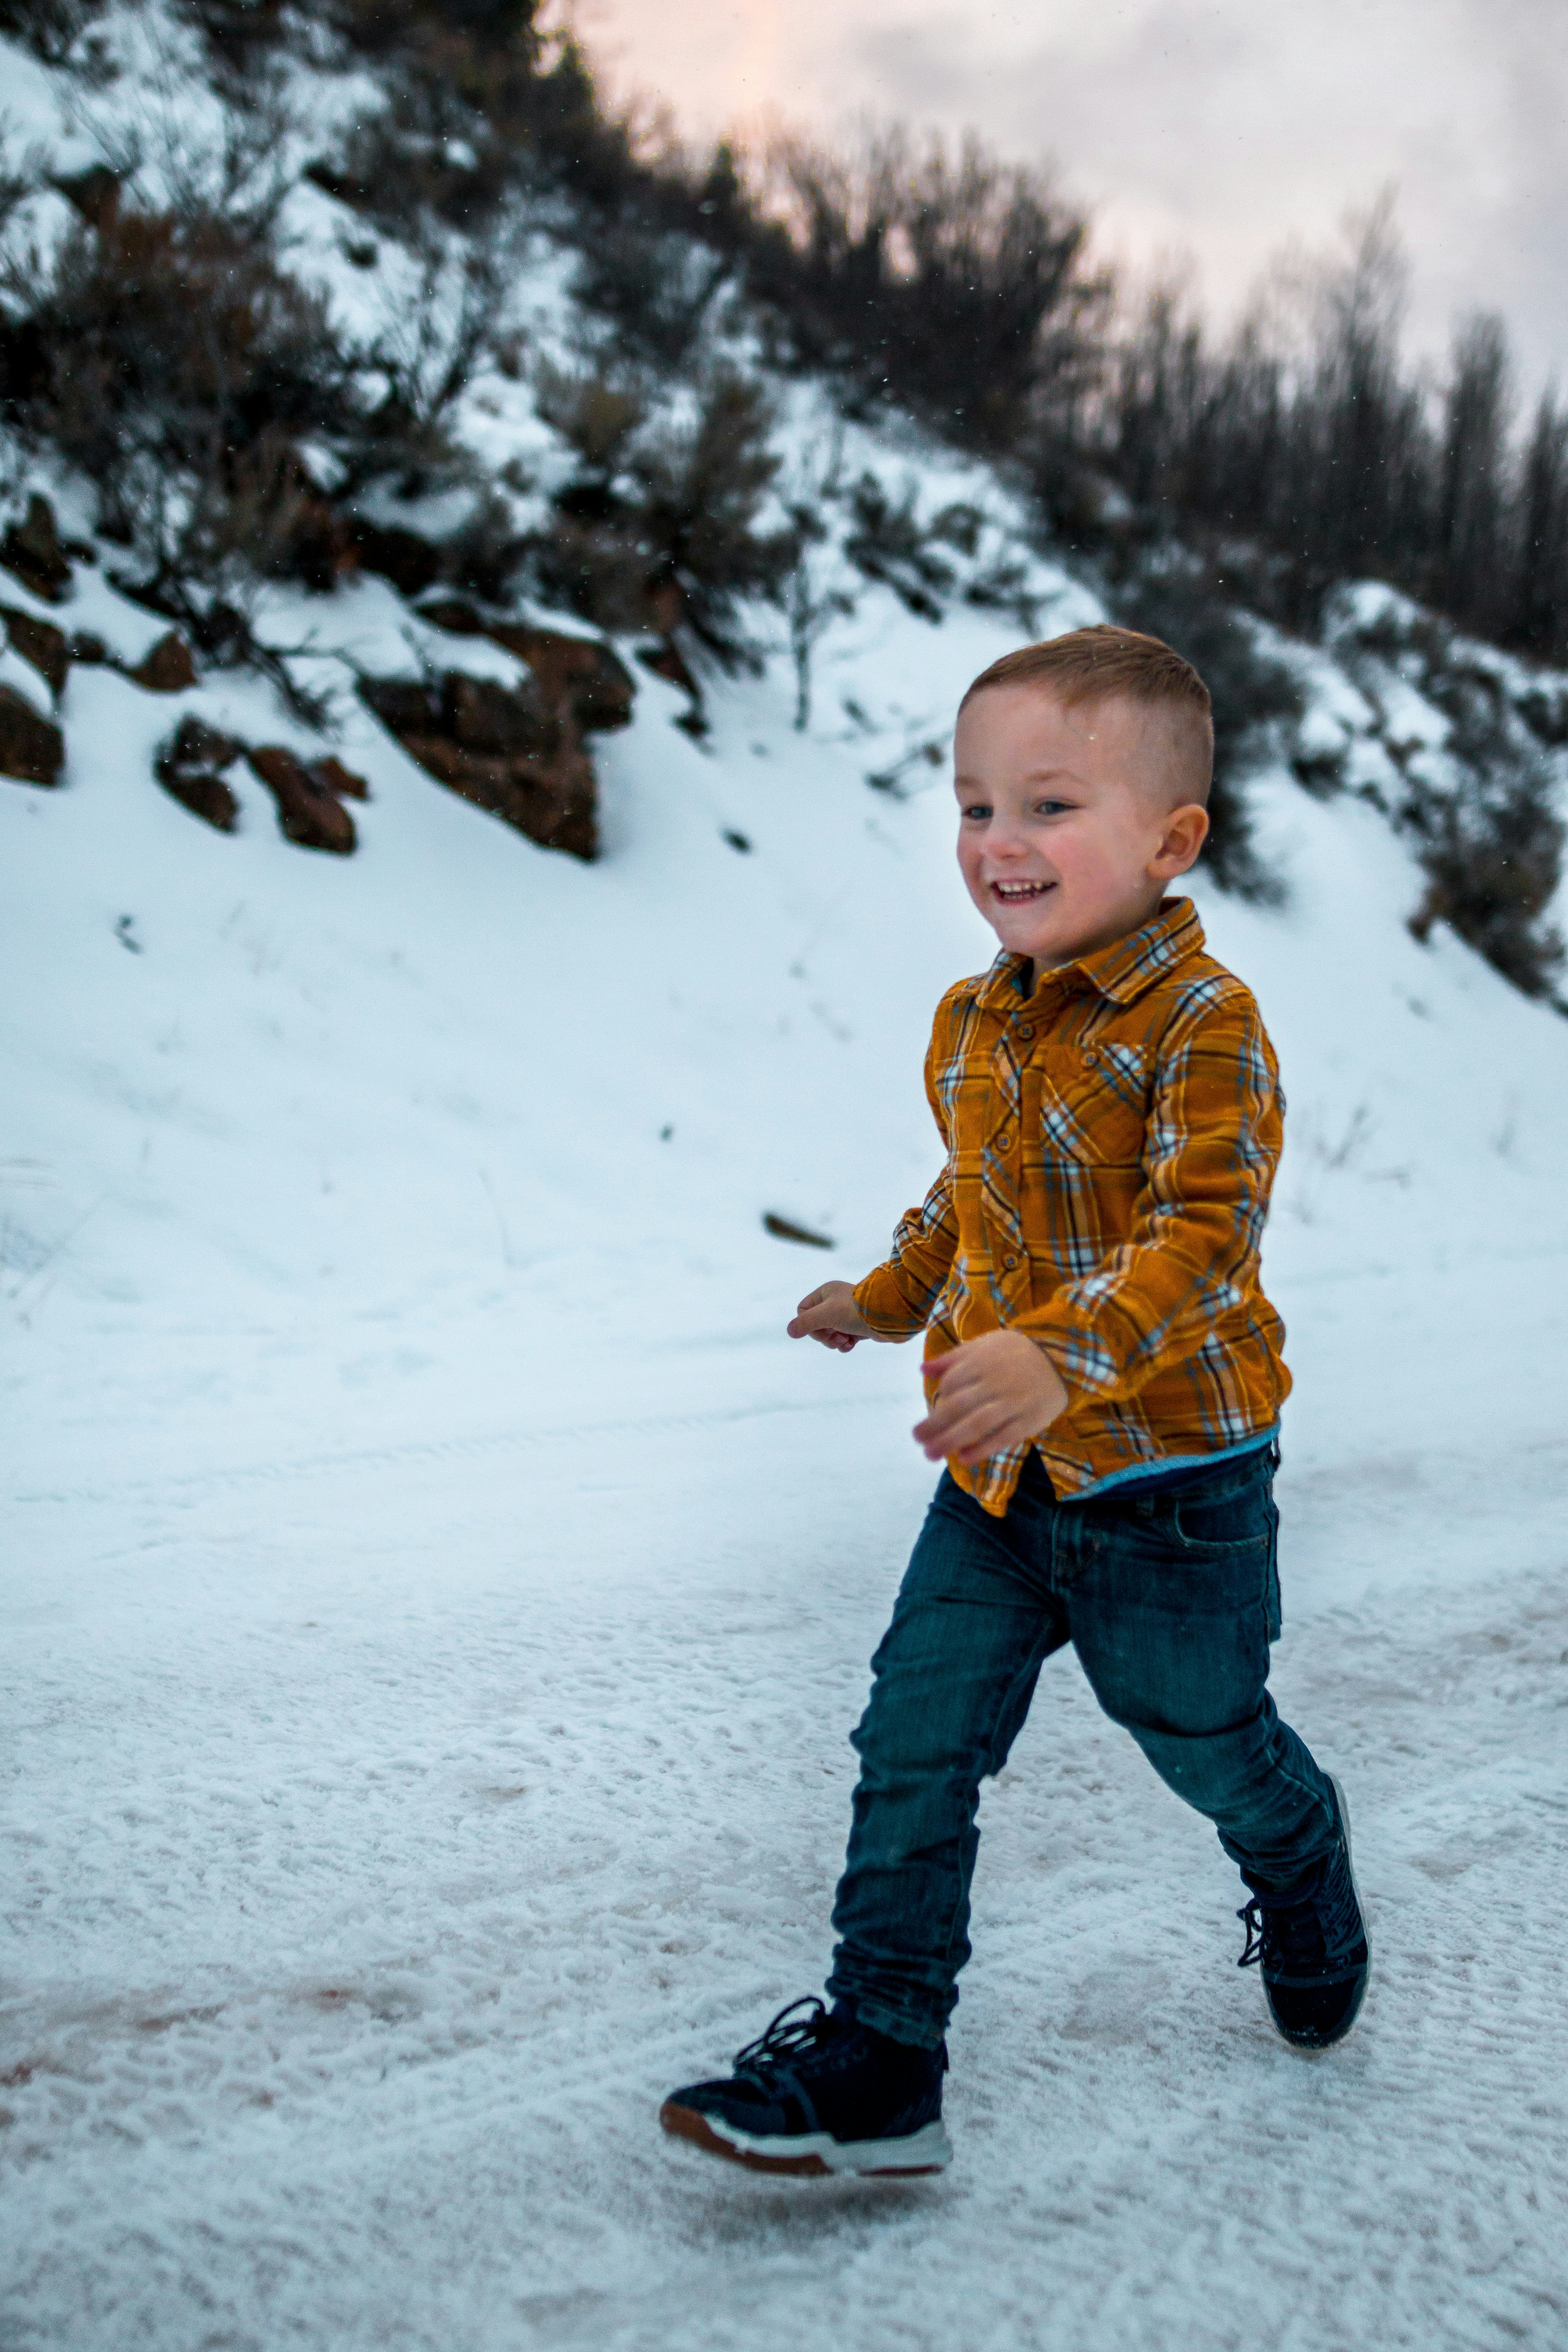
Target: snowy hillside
436 1594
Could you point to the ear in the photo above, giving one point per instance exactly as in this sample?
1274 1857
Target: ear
1185 831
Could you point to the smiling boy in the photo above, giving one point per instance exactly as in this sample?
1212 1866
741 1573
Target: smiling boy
1104 1382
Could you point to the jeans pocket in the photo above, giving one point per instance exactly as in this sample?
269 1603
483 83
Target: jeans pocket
1229 1523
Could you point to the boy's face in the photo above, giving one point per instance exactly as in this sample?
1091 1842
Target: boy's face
1066 834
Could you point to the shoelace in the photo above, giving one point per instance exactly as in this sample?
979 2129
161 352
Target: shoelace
787 2035
1306 1924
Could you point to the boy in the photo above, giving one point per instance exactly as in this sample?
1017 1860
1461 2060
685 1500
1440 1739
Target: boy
1104 1383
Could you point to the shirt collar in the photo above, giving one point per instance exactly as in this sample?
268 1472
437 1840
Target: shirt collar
1121 972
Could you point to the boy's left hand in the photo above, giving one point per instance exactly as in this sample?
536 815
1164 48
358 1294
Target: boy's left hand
993 1393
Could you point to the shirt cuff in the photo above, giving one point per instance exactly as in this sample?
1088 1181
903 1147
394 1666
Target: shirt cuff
882 1304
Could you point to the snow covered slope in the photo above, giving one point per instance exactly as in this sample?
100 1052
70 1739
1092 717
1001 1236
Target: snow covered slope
436 1594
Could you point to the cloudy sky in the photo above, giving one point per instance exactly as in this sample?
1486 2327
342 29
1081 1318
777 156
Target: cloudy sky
1217 129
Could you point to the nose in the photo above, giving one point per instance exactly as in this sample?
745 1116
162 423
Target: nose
1005 838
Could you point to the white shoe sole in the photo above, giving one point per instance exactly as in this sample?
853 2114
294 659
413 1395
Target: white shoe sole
812 2155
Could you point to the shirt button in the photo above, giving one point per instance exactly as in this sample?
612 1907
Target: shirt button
1025 1030
1008 1264
1004 1141
1088 1057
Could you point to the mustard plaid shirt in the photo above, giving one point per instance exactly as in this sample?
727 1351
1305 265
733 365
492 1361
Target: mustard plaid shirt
1111 1140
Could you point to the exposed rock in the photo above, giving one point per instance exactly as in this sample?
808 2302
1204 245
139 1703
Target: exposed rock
500 721
409 562
550 801
41 642
322 547
334 777
582 671
86 648
95 193
665 658
168 669
403 706
189 766
308 815
32 748
32 549
454 613
516 751
578 676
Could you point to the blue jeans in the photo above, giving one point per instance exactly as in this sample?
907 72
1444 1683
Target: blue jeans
1171 1600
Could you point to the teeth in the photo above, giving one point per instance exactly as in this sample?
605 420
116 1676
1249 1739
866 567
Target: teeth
1019 889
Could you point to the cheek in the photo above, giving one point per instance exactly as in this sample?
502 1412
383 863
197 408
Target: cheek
1090 866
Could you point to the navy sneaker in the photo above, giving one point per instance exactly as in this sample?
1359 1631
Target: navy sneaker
1311 1941
820 2093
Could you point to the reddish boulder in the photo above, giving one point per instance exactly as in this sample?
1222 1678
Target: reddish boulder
32 748
502 721
168 669
334 777
516 751
308 815
187 766
550 800
31 549
95 193
665 658
41 642
576 674
453 614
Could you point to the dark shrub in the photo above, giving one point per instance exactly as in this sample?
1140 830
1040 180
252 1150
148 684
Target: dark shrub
1491 844
653 285
1493 859
172 362
888 542
659 525
948 281
50 29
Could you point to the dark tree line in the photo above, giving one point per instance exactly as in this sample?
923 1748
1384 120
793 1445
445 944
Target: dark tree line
1334 460
951 284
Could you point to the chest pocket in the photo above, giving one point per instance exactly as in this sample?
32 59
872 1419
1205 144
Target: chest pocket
1094 1104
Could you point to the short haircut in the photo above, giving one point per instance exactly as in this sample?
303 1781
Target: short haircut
1104 664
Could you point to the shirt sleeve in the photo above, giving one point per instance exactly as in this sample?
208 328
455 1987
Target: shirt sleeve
1212 1144
897 1297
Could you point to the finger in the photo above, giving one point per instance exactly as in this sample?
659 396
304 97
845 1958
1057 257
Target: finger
962 1394
973 1435
982 1433
813 1298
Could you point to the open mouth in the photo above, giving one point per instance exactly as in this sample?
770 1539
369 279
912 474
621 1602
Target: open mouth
1018 894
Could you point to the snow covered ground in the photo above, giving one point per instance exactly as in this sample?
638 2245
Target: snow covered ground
436 1594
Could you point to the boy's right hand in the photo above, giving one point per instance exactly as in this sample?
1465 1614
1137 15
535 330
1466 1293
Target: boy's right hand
830 1316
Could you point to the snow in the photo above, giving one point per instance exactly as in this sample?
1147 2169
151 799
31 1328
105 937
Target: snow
437 1595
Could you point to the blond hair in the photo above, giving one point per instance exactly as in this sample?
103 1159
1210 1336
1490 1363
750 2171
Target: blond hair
1105 663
